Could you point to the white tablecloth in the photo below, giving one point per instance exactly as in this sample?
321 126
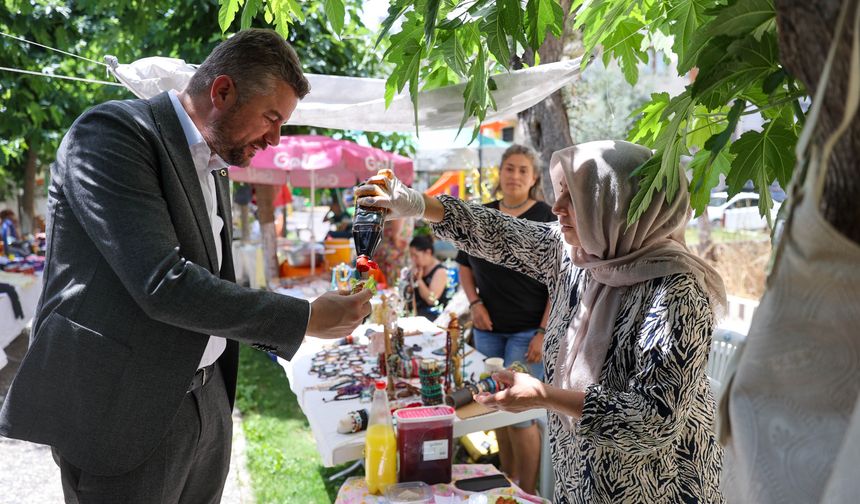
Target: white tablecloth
335 448
28 287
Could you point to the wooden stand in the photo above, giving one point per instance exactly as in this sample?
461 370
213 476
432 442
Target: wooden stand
453 357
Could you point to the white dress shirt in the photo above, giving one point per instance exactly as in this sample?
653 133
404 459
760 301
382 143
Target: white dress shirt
204 162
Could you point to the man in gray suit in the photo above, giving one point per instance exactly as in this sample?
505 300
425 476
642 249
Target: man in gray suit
131 372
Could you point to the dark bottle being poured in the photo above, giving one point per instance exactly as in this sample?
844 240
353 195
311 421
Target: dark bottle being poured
367 226
367 230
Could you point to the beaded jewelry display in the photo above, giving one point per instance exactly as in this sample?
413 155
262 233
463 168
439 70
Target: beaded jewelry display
346 359
401 361
431 388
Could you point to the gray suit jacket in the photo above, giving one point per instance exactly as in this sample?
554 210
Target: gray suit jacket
131 292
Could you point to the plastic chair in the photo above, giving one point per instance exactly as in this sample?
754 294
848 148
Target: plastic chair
725 344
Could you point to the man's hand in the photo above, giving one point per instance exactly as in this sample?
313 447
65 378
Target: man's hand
481 317
336 314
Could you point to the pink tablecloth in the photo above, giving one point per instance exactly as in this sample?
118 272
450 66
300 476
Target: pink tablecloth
354 491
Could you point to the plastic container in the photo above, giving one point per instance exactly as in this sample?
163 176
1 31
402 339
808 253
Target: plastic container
425 437
411 492
380 447
337 250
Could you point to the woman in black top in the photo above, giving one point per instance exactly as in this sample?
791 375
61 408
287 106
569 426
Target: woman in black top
429 276
509 309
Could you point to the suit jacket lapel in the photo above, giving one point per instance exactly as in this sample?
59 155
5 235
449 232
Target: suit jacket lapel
177 148
222 192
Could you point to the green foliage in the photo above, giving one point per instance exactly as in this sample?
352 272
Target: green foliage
603 103
763 156
706 173
731 43
439 43
335 12
542 16
733 46
620 45
349 52
37 110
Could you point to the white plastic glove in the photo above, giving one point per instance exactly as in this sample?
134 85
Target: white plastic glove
391 193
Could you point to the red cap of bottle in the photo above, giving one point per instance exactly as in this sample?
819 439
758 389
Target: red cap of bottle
380 384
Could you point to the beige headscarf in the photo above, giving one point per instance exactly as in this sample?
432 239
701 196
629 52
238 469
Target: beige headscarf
598 176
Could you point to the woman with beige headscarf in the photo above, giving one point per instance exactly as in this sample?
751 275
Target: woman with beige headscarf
629 330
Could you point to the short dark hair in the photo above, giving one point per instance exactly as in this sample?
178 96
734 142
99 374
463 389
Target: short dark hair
528 152
423 242
254 59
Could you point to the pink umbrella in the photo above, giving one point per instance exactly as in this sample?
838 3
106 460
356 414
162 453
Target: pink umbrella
319 162
322 162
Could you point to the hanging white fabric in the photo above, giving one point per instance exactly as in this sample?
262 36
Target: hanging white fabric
358 103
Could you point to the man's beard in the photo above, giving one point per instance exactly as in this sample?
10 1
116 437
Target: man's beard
220 143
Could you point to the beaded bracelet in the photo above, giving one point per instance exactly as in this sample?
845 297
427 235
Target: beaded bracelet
346 393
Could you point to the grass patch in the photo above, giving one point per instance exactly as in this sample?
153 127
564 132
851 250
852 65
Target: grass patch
281 454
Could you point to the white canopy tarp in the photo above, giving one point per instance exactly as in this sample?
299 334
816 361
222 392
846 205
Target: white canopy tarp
359 104
446 150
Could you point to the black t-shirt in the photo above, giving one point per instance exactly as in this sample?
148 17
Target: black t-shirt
514 301
421 307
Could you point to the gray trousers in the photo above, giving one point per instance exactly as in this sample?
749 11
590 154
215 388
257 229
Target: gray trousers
189 466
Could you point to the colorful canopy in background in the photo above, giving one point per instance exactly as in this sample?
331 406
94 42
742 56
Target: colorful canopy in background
320 162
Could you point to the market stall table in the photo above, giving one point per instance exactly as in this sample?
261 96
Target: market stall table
335 448
28 288
354 490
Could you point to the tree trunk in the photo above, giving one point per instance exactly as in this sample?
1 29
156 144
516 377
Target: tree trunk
705 241
805 32
546 126
266 216
28 208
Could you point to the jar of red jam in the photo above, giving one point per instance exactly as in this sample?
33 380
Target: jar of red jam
425 437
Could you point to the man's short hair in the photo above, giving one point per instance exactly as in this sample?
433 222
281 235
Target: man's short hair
255 59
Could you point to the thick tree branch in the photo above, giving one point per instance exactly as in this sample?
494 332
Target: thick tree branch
546 126
805 32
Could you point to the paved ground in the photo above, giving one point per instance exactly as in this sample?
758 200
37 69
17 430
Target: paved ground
28 474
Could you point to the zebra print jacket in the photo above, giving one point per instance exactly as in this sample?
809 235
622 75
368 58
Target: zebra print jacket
646 431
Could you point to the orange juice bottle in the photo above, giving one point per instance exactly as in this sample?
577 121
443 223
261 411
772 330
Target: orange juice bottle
380 446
